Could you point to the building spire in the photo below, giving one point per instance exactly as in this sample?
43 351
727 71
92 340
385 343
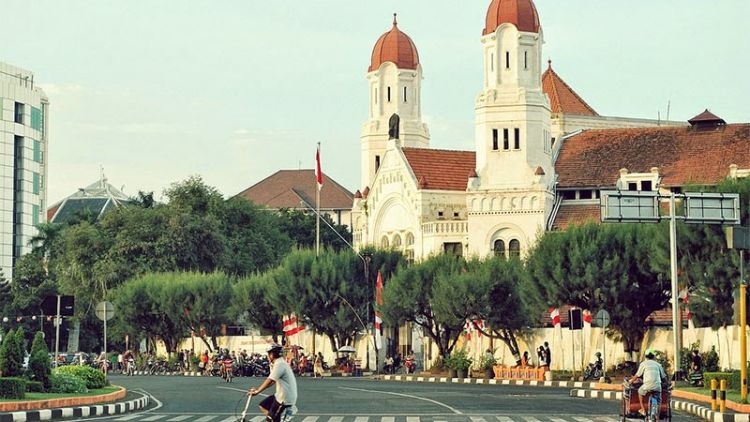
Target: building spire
395 22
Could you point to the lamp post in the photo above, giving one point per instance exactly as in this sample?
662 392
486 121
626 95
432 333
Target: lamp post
367 258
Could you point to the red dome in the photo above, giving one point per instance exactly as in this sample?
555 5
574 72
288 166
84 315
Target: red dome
521 13
396 47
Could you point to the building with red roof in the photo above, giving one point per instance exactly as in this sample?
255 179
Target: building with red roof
542 153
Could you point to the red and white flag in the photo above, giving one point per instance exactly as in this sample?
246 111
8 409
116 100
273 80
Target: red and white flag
470 327
292 326
554 314
587 318
318 171
378 315
685 296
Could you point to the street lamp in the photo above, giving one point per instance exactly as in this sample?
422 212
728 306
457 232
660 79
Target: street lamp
367 258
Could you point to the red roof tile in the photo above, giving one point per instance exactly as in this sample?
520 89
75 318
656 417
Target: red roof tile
575 214
288 188
396 47
706 116
521 13
562 98
683 155
437 169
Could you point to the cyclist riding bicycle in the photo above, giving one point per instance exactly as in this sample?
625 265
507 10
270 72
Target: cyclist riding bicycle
652 375
276 405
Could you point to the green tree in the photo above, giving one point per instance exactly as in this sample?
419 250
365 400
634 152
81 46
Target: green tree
497 292
8 366
326 293
251 300
39 364
300 226
412 294
621 267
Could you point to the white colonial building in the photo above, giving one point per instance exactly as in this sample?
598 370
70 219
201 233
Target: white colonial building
542 154
23 135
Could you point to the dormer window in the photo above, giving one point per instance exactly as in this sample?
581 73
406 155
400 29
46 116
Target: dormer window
646 186
632 186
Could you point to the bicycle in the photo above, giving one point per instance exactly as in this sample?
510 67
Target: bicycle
287 415
652 413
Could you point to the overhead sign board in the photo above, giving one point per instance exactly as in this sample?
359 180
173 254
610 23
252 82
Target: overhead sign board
712 207
629 206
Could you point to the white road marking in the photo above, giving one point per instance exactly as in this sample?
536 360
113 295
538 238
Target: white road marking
335 419
387 419
310 419
179 418
229 419
557 420
580 419
412 419
127 418
258 419
454 410
153 418
361 419
504 419
477 419
530 419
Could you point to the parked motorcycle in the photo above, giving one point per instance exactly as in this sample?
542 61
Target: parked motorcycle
594 370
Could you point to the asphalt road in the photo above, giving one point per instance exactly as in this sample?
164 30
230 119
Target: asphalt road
186 399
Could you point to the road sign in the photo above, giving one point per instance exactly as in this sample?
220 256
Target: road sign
629 206
738 237
602 318
105 311
712 207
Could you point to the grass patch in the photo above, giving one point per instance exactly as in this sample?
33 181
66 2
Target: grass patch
731 394
49 396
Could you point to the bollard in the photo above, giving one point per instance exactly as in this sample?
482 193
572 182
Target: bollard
713 394
723 397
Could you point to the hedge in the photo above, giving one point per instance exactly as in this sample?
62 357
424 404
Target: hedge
93 378
66 383
35 387
12 388
733 379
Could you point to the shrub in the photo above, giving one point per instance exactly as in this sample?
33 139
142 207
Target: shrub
458 360
11 364
711 360
733 379
663 360
12 388
40 367
92 377
35 387
66 383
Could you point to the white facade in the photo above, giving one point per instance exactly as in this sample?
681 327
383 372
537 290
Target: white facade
23 156
392 91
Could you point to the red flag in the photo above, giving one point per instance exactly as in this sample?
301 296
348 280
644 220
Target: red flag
587 317
291 325
378 315
318 171
554 314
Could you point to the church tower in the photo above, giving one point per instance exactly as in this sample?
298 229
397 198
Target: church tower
394 80
511 193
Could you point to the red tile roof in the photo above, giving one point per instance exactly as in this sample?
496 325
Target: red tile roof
288 188
437 169
521 13
562 98
396 47
708 117
574 214
683 155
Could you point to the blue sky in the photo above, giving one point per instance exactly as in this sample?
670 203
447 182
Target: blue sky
234 90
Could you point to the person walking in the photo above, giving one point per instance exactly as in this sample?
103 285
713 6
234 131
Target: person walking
548 352
285 397
318 366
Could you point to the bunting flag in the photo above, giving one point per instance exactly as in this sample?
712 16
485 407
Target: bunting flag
468 330
554 315
470 327
291 326
685 297
378 315
587 318
318 171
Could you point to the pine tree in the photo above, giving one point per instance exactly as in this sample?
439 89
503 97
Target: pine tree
8 366
39 363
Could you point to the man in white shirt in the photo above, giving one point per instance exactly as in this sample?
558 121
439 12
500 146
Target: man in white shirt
282 375
652 375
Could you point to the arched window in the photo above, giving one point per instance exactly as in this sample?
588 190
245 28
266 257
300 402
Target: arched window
397 242
514 248
384 242
409 239
499 248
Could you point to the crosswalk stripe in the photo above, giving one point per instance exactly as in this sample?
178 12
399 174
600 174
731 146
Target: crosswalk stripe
361 419
205 418
580 419
557 420
531 419
477 419
153 418
506 419
607 419
179 418
335 419
387 419
310 419
412 419
258 419
230 419
127 418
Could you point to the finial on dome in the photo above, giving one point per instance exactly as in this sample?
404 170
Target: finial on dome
395 22
549 63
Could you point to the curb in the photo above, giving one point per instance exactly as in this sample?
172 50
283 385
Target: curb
75 412
482 381
684 406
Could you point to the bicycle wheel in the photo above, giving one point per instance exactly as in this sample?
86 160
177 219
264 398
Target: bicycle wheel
653 408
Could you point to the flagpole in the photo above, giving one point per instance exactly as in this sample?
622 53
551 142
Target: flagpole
317 204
